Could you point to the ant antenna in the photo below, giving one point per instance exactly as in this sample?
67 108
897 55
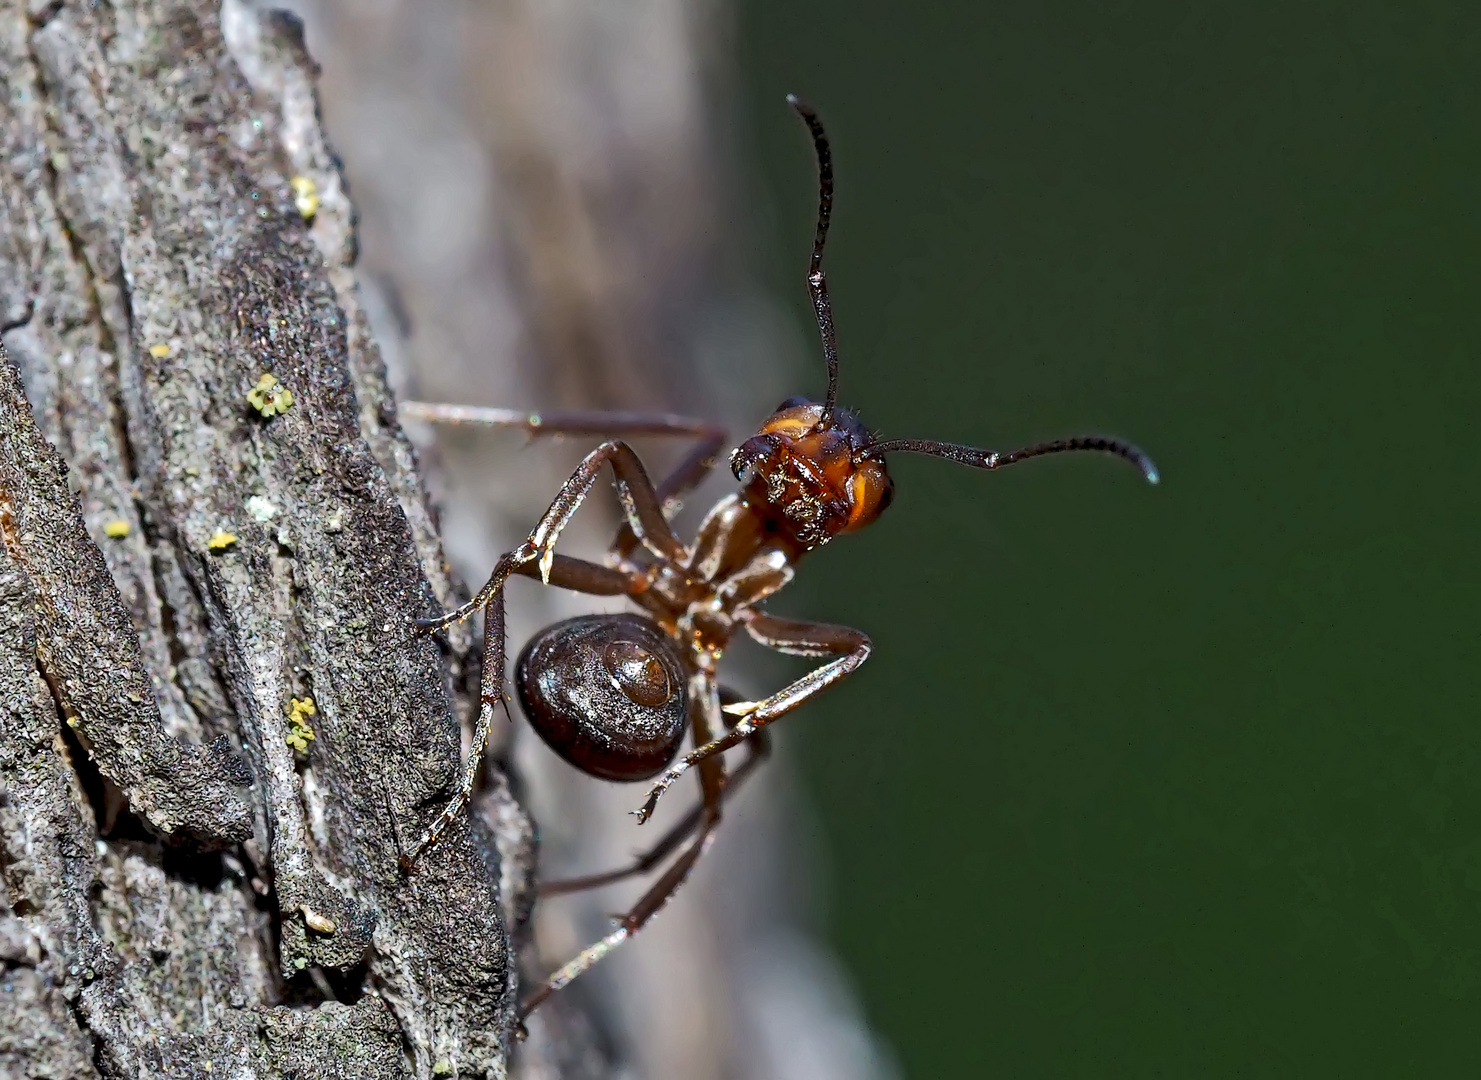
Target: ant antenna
817 283
993 459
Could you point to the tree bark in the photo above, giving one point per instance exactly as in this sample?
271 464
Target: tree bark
189 894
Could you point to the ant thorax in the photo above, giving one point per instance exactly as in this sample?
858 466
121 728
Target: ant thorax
735 563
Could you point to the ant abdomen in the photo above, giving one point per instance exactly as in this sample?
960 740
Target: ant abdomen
607 693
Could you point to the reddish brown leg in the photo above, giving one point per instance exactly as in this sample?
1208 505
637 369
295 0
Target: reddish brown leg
796 638
689 472
490 697
704 704
685 477
760 746
566 573
641 506
574 422
593 579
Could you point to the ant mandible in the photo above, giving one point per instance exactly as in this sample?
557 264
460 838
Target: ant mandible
613 694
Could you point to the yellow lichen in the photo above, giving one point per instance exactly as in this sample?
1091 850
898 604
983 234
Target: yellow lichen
221 540
301 734
269 396
116 530
305 196
160 351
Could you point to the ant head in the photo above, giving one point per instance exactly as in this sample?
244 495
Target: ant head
810 474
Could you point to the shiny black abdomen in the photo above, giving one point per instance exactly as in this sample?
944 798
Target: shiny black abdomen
607 693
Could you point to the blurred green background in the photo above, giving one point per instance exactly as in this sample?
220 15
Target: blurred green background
1178 780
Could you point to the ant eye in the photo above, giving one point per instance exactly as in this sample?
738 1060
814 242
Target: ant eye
793 402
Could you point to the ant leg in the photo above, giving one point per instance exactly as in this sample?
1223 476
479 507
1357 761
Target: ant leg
685 477
704 704
565 573
570 422
709 439
851 647
641 505
490 697
592 579
694 468
760 746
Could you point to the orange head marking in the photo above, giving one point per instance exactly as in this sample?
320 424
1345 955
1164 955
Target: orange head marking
810 475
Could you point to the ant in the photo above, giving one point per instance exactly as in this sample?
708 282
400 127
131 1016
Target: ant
614 694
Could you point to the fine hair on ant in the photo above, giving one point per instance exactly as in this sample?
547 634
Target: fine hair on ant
615 695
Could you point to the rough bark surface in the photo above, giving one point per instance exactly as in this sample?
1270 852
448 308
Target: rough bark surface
184 892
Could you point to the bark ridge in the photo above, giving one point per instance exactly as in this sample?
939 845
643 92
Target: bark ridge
188 893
